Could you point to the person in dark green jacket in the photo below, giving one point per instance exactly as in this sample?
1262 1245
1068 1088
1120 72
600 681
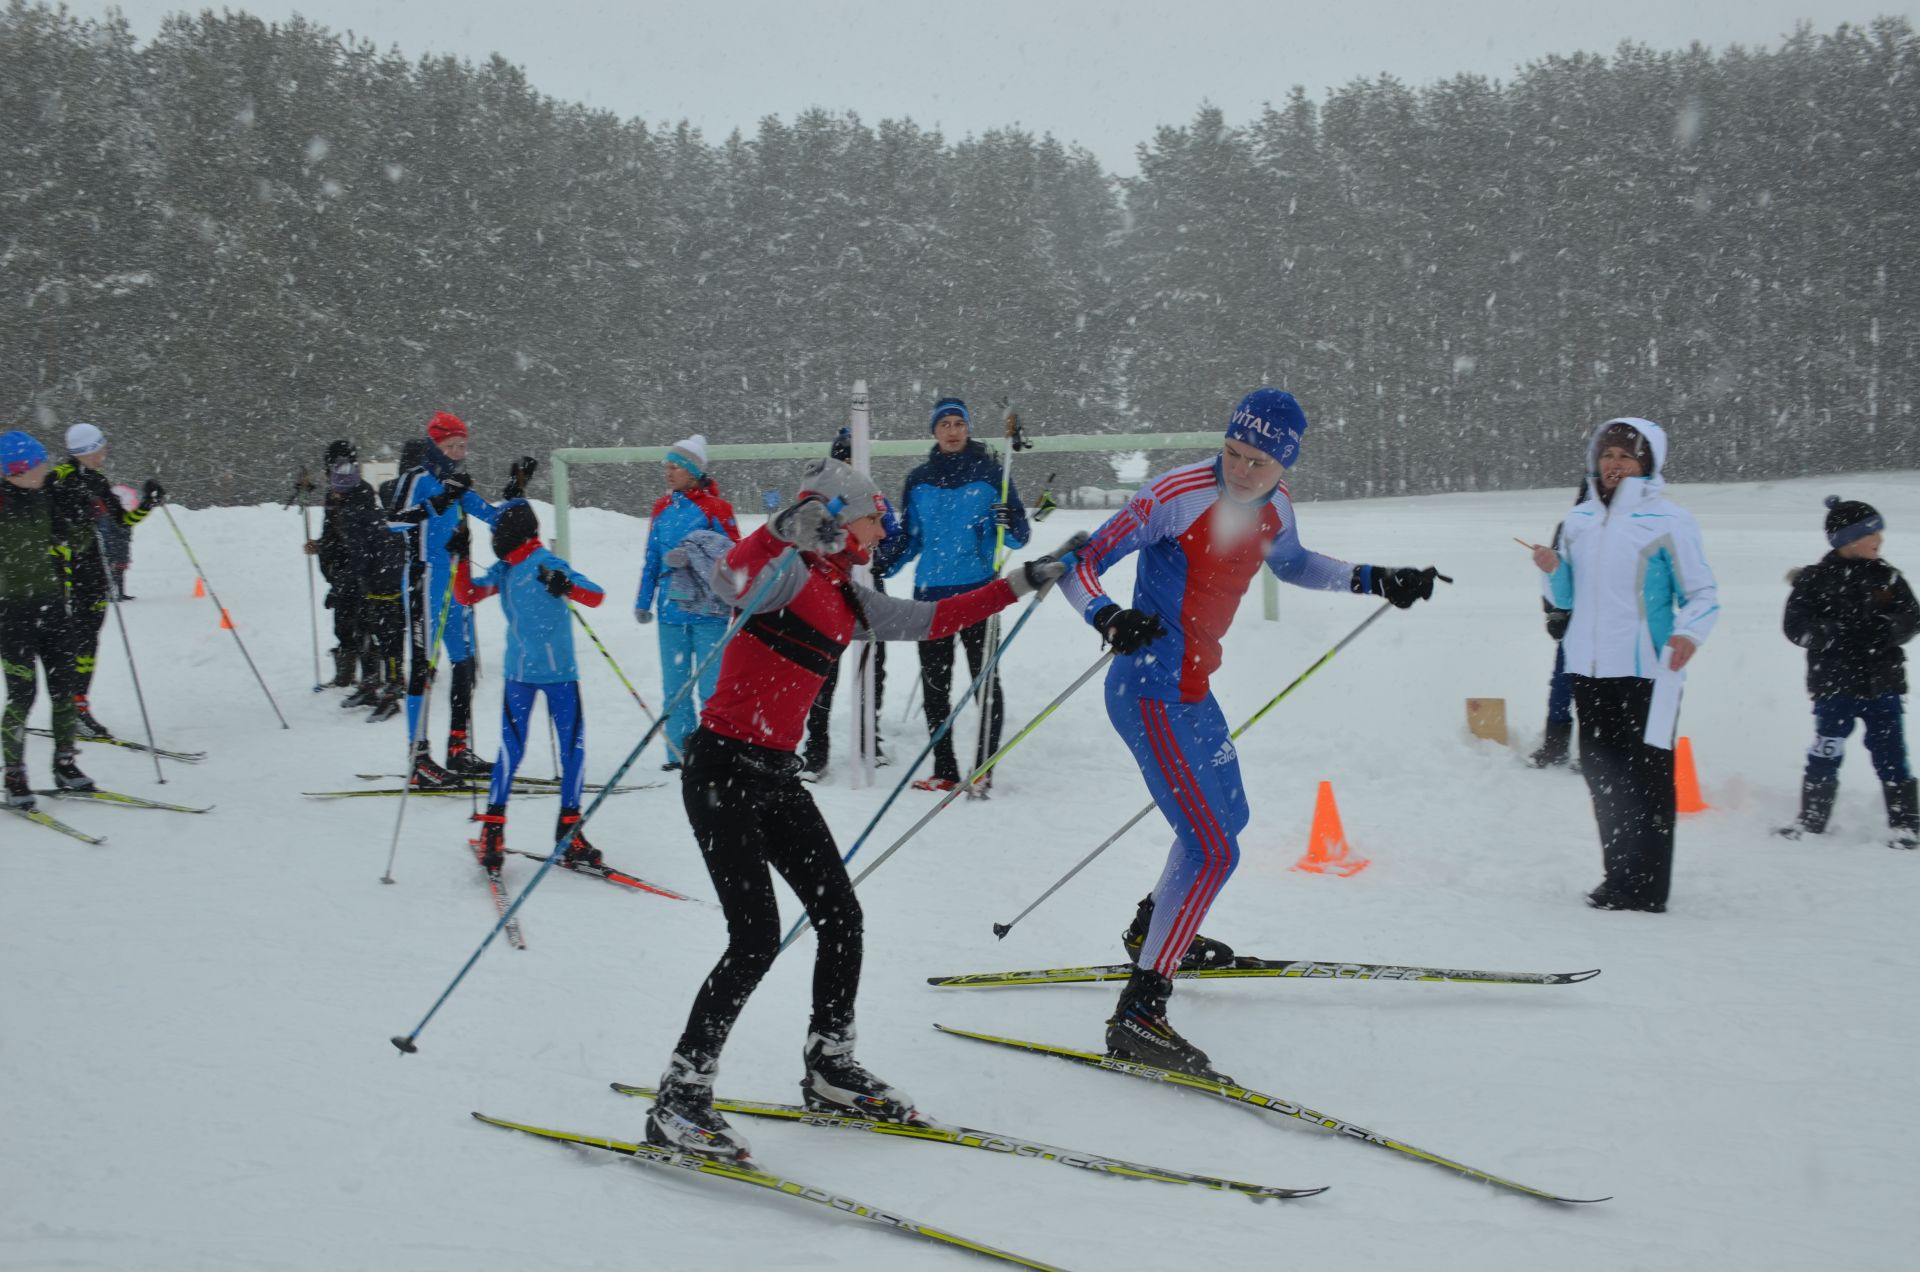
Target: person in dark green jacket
34 533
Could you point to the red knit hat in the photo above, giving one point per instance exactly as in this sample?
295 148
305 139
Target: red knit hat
442 426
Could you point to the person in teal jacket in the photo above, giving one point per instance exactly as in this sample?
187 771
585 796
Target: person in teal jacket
691 619
534 587
951 515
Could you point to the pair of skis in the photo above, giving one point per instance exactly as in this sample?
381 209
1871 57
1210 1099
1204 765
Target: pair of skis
925 1132
183 757
43 818
1245 968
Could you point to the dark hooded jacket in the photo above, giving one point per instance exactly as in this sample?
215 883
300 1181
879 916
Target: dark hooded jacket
1852 617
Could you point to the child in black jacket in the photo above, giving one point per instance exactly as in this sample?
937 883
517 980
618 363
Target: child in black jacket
1851 612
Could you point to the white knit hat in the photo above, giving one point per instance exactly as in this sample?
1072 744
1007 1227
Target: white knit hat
84 439
690 453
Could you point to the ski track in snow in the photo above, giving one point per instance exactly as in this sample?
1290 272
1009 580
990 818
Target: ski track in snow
193 1034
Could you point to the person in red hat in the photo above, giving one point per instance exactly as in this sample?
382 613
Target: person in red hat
429 502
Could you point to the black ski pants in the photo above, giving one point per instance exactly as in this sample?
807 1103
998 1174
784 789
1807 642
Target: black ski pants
383 621
1631 784
936 687
35 629
751 811
88 589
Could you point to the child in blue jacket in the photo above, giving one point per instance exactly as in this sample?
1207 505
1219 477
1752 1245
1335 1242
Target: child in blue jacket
534 587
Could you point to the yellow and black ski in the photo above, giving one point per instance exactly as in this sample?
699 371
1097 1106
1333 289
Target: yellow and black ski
1233 1093
929 1132
747 1173
1247 968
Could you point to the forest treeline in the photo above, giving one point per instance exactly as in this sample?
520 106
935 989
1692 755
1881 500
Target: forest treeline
238 240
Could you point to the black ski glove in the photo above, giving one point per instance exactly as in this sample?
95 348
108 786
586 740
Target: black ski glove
1557 620
451 489
1128 630
1001 515
518 476
1399 586
1045 570
557 581
460 542
153 494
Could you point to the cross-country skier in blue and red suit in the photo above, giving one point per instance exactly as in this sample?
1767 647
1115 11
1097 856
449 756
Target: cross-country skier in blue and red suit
534 587
1202 531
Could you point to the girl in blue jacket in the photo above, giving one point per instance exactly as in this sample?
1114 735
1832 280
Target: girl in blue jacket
534 587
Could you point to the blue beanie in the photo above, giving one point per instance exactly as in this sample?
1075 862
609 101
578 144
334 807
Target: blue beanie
20 452
1850 519
949 406
1270 420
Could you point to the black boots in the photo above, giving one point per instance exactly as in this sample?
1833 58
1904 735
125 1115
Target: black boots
1202 951
67 775
1556 748
1903 812
492 849
579 851
1139 1030
1816 806
343 661
462 760
19 789
837 1083
683 1118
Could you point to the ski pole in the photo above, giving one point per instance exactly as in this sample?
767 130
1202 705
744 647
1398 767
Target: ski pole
972 777
214 597
120 618
409 1043
585 627
300 489
419 729
1016 442
1001 929
945 725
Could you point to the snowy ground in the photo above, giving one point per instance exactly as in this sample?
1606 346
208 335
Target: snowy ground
194 1061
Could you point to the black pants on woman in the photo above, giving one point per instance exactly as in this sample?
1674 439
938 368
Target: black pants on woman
750 811
1632 788
936 687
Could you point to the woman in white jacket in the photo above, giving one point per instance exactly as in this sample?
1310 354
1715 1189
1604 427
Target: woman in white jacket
1632 572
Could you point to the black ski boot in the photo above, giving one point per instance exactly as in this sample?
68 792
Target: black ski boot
462 761
1139 1029
1202 951
1816 805
835 1083
579 851
84 724
67 775
388 704
343 661
683 1119
1903 812
1555 748
365 695
428 776
492 848
19 790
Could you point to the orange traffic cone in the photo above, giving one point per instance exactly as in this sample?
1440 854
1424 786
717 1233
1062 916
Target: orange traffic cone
1327 843
1686 783
199 587
226 620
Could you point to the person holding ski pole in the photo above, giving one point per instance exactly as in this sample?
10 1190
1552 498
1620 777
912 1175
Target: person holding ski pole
90 578
35 530
1202 530
950 511
429 501
353 534
534 587
749 809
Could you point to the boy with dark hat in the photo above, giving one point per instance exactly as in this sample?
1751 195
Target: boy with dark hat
1852 612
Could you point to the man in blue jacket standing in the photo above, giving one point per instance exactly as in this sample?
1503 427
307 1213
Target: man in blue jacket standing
951 513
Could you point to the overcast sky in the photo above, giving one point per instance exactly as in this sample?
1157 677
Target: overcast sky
1102 73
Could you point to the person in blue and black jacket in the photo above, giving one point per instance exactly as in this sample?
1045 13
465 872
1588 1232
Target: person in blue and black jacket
951 513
